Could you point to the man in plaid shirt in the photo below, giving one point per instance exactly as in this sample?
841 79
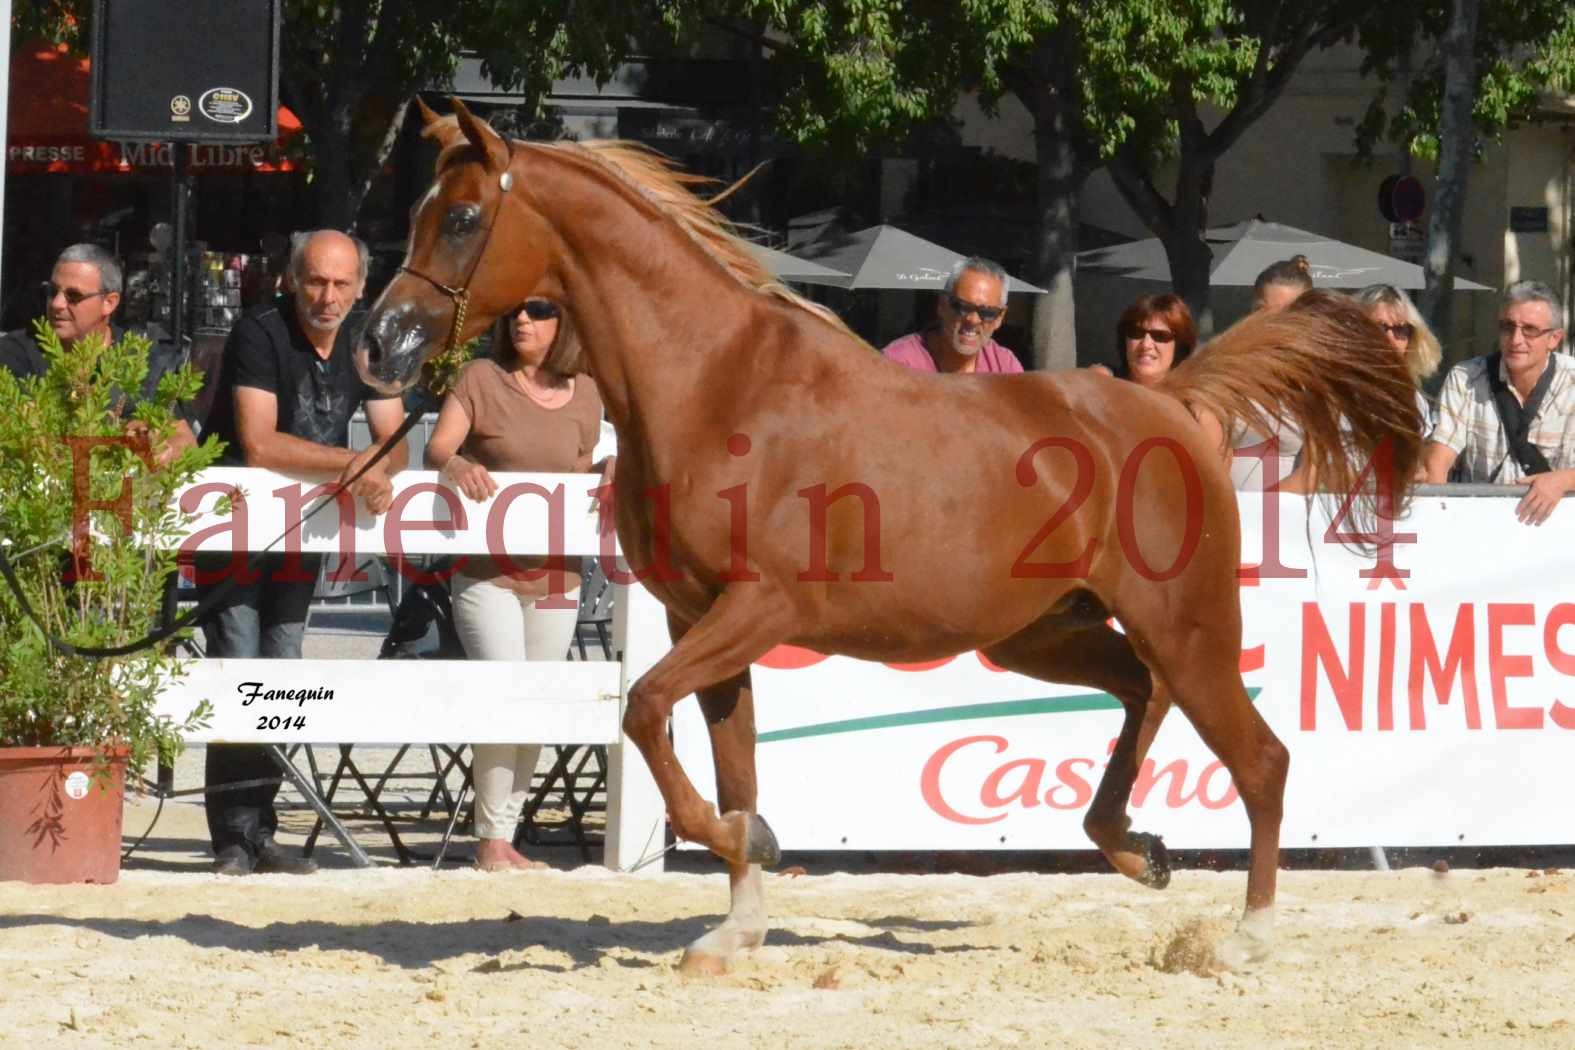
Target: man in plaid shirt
1510 416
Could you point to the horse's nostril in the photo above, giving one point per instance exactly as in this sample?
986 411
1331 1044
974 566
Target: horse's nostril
381 336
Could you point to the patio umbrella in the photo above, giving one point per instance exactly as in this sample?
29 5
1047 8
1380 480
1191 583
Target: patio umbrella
792 268
886 257
1242 250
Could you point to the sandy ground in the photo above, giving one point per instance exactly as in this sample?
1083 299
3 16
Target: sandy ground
580 957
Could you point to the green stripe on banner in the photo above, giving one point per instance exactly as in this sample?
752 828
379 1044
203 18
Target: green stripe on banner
1044 705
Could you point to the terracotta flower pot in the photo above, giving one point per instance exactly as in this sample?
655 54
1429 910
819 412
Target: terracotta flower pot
57 823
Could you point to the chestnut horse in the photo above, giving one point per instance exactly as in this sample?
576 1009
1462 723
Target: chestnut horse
819 495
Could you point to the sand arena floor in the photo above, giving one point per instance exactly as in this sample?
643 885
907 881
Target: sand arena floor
580 957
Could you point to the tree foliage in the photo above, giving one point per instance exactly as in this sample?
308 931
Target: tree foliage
1523 48
350 69
1138 85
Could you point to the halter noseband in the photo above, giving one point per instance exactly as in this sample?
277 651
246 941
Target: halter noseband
461 294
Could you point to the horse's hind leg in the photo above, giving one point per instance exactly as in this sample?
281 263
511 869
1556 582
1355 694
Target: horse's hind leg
1093 654
729 709
1202 669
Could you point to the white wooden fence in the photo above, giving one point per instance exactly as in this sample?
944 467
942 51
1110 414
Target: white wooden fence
432 701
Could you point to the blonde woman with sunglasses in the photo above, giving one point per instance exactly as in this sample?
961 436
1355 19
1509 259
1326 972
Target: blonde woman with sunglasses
1408 335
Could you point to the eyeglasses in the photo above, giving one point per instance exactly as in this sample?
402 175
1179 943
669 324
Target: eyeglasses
1507 329
536 310
73 296
962 308
1399 331
1159 335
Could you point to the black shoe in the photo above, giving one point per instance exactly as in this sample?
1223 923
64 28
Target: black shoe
274 859
234 860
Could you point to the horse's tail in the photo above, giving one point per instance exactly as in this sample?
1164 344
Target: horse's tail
1323 365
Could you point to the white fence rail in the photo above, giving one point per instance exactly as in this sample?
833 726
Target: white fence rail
427 701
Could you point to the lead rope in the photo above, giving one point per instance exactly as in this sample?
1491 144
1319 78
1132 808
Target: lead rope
648 858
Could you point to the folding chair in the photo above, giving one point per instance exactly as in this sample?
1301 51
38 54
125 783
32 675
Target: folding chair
596 597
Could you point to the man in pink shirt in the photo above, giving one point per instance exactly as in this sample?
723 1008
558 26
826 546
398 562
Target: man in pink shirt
968 311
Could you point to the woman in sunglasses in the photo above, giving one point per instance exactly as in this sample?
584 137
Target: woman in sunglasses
1153 335
1407 334
529 407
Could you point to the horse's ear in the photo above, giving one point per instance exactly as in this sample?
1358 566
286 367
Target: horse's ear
481 135
428 117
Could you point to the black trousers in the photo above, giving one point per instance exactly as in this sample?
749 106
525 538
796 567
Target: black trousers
263 617
240 816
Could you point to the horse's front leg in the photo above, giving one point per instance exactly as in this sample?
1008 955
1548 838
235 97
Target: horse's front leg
743 623
729 709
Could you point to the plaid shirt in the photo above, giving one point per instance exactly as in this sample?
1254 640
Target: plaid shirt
1467 421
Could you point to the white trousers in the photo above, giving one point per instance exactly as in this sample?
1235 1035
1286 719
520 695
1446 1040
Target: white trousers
494 623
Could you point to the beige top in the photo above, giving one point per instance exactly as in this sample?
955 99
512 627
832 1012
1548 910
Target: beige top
510 430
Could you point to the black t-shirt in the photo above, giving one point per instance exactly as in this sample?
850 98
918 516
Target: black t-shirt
20 354
268 351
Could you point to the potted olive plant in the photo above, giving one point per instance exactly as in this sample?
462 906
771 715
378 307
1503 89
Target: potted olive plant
71 724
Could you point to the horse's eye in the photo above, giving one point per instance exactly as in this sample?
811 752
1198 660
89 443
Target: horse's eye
461 220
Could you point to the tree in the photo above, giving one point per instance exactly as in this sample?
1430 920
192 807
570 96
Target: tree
1456 132
1120 82
856 76
1237 57
1463 72
351 69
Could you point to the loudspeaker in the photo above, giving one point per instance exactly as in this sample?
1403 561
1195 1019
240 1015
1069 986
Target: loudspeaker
194 71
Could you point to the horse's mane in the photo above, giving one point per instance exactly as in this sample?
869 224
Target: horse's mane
658 180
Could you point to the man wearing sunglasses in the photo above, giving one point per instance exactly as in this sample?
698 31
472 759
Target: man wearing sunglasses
1509 417
969 310
287 389
80 300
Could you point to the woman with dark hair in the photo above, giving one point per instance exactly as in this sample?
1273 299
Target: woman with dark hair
528 408
1153 335
1281 282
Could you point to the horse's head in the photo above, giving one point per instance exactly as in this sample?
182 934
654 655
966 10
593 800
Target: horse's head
469 259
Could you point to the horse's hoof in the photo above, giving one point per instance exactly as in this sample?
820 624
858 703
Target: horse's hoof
1250 943
703 964
760 843
1156 870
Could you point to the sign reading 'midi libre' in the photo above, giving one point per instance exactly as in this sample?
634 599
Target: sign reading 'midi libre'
78 156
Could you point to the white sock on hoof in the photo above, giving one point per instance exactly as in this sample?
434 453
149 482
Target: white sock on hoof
1251 941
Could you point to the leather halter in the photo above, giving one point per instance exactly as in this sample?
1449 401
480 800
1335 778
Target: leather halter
461 294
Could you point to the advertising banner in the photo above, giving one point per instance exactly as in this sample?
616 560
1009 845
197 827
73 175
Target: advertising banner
1429 705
